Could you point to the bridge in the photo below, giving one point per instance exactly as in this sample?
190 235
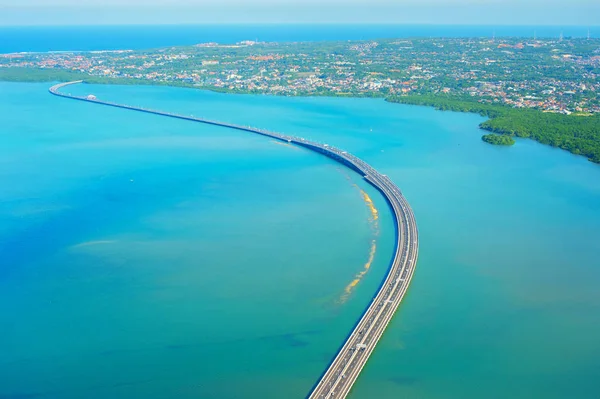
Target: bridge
343 371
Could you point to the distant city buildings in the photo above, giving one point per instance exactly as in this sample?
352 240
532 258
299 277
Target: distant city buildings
551 75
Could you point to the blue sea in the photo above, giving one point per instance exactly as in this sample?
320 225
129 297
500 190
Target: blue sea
143 256
135 37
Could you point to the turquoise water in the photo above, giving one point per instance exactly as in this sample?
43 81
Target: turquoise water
149 257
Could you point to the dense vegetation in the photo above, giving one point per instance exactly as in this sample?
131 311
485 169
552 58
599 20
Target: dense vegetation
38 75
498 139
61 75
575 133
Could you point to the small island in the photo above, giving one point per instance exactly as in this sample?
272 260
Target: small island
498 139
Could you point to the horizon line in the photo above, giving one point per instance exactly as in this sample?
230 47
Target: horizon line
298 23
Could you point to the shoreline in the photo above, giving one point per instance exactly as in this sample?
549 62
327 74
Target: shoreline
503 120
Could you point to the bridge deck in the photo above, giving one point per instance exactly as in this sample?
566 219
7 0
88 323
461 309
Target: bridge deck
344 369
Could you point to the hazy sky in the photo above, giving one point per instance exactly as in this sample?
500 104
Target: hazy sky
473 12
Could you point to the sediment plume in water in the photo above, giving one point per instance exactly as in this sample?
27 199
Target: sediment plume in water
369 202
374 222
350 287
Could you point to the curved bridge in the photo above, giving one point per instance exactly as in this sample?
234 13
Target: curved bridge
352 356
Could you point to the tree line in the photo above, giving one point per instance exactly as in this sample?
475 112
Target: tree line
575 133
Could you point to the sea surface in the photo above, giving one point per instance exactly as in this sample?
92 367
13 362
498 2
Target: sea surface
137 37
142 256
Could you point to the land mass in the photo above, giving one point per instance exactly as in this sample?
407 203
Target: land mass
545 90
576 133
498 139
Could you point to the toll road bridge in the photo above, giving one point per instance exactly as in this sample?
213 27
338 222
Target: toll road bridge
342 372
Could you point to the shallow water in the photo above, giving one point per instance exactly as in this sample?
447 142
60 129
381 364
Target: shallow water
146 256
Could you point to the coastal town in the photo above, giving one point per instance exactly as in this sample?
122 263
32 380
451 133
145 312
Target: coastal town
553 75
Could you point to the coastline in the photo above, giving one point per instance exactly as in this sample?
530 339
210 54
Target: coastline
502 120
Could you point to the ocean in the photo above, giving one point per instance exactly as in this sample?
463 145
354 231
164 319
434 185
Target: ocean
143 256
136 37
